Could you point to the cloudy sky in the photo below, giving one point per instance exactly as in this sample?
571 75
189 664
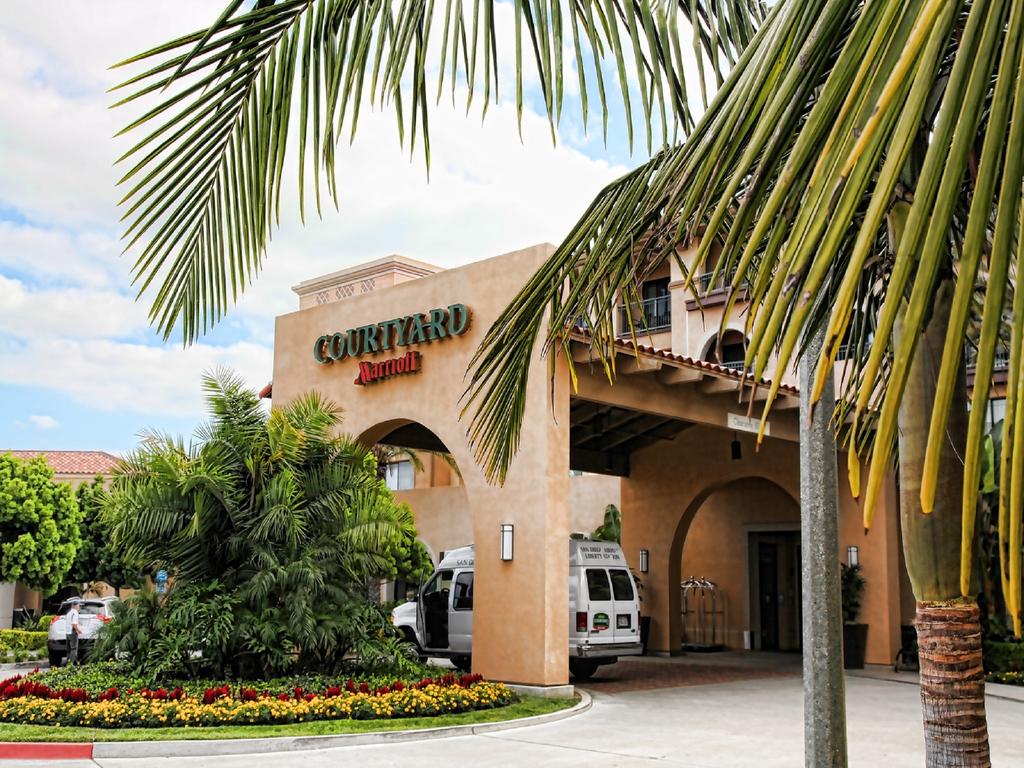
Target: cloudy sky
79 366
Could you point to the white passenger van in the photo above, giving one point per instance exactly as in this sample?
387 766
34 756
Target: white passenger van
604 609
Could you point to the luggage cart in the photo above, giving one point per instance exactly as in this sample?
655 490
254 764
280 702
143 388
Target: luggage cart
703 607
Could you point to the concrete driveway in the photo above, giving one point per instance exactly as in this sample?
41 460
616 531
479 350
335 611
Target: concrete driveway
727 725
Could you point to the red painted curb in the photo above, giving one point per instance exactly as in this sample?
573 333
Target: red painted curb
44 751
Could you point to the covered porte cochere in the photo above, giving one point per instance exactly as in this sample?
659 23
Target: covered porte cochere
668 442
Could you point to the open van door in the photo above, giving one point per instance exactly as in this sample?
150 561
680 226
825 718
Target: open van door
433 610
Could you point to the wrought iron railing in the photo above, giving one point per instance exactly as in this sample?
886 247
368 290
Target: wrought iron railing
1001 362
647 315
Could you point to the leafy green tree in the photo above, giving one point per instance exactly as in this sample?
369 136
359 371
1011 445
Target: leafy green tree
611 528
97 558
39 525
289 519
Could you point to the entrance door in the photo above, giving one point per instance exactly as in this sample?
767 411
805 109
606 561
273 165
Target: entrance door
768 593
775 585
434 605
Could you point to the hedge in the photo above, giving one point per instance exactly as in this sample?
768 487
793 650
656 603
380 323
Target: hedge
22 640
1004 656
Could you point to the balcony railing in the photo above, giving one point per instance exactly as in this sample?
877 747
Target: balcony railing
704 284
1001 362
647 315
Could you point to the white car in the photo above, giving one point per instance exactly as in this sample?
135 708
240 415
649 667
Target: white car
93 613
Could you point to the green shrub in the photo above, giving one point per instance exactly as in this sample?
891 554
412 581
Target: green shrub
1004 656
20 640
44 622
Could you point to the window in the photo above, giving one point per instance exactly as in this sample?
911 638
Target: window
399 475
442 582
597 584
463 600
655 289
622 584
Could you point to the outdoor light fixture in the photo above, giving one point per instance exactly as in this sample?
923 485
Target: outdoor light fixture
506 541
737 449
852 556
645 557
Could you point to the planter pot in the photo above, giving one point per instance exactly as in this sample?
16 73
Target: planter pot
645 631
855 641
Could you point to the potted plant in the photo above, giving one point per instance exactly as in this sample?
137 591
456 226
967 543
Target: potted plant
855 636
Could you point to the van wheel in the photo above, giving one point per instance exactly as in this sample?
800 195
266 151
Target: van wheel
55 659
463 663
582 669
410 637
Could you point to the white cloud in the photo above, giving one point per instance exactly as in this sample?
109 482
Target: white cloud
44 422
67 313
68 323
111 376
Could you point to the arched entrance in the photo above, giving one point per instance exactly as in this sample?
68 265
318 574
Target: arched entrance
743 537
424 474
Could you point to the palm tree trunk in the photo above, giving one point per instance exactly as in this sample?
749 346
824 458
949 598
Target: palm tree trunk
948 625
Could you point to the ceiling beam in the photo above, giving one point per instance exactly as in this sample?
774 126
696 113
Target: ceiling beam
599 462
672 375
633 365
716 385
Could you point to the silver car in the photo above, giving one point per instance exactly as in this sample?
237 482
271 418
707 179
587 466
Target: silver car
93 613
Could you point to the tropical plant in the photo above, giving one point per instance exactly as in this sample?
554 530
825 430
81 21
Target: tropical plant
852 586
39 525
96 559
273 512
611 528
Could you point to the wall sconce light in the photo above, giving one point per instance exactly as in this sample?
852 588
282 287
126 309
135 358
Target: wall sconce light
737 449
852 556
506 541
645 556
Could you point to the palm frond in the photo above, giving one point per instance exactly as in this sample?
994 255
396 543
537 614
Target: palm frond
203 185
839 120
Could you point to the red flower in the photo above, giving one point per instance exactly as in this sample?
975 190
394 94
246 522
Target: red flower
332 691
364 687
283 696
398 685
309 696
176 694
248 694
350 686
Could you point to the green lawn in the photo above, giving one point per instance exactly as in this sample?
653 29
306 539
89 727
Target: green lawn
527 706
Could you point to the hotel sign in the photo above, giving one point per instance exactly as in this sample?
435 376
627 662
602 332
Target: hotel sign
395 334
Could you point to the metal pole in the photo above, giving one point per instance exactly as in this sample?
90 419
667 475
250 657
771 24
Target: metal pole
824 687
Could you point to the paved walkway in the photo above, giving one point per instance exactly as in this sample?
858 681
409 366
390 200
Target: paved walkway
754 722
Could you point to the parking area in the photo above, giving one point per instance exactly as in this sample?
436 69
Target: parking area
651 673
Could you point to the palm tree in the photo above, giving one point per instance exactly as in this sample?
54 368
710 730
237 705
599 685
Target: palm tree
284 516
861 171
859 167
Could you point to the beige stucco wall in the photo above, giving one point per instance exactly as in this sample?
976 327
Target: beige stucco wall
531 590
716 548
589 495
670 483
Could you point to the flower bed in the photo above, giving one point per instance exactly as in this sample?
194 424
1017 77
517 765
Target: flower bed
25 700
1006 678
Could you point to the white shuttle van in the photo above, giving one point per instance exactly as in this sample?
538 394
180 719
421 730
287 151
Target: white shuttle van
604 609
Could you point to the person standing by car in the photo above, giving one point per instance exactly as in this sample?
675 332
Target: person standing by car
73 630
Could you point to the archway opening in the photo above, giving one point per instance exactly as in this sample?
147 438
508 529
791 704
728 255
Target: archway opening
737 554
416 464
728 350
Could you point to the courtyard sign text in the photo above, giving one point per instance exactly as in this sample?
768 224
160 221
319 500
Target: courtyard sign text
421 328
